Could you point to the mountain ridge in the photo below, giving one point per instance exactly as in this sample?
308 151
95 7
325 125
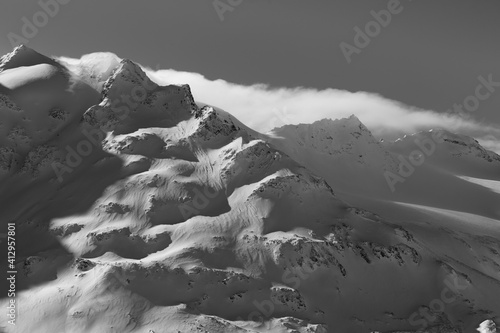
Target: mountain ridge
169 215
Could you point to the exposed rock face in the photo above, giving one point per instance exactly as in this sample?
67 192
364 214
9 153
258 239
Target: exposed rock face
213 124
178 218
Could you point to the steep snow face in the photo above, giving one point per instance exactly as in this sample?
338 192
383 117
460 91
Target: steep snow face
343 151
24 56
214 127
340 138
39 100
446 170
180 218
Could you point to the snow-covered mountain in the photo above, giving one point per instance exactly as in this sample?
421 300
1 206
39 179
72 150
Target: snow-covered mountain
343 151
139 209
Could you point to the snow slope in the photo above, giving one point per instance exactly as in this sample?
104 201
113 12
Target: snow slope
343 151
141 210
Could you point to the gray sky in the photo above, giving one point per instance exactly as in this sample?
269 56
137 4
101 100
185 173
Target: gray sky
429 56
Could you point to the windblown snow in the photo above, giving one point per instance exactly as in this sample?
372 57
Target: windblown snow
139 209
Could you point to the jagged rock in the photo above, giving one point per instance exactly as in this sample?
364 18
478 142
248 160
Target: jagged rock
288 297
84 264
212 124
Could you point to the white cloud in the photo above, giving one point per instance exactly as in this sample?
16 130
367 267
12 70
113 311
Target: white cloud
263 108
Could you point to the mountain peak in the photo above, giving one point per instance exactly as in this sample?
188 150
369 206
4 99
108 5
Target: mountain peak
127 75
154 198
353 118
352 123
127 64
130 69
214 123
458 145
24 56
22 48
328 130
327 124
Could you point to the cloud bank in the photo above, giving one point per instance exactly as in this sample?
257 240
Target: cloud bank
263 108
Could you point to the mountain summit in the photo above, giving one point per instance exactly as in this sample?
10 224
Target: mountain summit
23 56
138 209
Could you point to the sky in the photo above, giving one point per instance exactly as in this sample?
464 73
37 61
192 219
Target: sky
429 56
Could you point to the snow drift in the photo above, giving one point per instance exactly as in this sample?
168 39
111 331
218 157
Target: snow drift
139 209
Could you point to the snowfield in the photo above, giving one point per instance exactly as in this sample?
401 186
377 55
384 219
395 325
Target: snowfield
140 209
